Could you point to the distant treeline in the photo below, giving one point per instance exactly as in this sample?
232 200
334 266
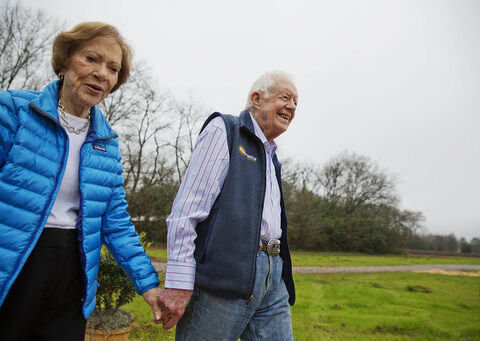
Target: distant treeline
444 243
347 205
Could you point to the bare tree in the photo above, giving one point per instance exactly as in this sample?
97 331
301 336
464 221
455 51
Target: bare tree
144 134
156 131
26 38
142 116
187 121
411 222
354 180
302 176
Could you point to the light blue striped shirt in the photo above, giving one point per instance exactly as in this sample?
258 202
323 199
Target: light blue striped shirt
199 189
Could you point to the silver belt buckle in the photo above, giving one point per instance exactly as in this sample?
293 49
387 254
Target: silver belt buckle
273 247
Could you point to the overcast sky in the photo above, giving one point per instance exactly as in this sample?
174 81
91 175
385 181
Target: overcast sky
397 81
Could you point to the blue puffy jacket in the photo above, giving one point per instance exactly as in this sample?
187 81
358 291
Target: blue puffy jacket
33 155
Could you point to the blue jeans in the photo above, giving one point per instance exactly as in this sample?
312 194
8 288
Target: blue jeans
265 317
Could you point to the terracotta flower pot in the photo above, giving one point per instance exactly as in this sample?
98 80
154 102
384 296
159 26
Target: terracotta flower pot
114 335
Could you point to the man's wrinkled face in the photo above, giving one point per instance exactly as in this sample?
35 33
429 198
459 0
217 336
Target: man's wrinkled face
274 111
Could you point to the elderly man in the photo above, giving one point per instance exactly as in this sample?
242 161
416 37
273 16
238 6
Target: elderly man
229 273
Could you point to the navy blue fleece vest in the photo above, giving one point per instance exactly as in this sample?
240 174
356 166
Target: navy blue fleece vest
228 240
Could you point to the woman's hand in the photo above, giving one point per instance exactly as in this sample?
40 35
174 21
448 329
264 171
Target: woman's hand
151 297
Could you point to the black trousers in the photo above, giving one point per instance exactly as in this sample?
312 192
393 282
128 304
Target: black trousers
45 301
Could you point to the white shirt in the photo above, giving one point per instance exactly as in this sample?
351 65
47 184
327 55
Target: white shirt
64 212
199 189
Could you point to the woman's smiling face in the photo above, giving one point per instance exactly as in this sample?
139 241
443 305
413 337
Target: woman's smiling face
92 73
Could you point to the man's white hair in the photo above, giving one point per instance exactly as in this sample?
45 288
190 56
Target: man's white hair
265 83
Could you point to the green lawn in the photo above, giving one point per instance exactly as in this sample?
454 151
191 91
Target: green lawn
157 253
305 258
389 306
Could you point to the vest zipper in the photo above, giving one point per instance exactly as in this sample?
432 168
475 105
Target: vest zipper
252 284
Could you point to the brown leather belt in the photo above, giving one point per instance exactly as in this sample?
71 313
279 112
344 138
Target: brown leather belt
272 247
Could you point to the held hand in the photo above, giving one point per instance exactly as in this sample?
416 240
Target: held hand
173 303
151 297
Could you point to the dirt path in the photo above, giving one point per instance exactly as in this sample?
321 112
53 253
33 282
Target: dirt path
364 269
384 268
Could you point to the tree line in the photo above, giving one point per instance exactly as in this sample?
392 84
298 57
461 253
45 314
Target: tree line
348 204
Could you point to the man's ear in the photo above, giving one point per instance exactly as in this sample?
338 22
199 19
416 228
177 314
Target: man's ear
256 98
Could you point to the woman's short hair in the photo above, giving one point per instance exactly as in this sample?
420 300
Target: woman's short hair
265 83
67 42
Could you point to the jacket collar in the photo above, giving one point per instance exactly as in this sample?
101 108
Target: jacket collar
47 101
246 121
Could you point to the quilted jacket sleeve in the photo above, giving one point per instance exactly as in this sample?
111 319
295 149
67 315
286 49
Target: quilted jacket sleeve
8 125
124 244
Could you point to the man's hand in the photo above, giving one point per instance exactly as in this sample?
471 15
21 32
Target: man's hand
173 302
151 297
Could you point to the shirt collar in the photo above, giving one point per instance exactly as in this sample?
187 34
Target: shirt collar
270 146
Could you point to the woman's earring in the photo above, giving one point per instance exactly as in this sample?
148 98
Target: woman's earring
61 77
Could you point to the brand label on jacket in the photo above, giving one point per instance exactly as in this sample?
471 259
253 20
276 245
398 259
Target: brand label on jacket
99 147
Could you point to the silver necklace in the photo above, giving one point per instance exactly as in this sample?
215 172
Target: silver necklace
66 125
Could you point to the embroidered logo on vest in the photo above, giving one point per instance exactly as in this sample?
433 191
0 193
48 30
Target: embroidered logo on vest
99 147
243 152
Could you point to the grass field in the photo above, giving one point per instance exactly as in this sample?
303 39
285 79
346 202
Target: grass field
304 258
388 306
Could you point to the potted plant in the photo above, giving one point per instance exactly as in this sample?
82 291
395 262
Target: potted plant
107 321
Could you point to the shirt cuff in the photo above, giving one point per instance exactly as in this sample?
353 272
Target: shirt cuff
180 275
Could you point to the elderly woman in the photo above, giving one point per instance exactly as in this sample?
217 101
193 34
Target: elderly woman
61 193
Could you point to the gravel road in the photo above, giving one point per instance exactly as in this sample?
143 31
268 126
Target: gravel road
383 268
363 269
